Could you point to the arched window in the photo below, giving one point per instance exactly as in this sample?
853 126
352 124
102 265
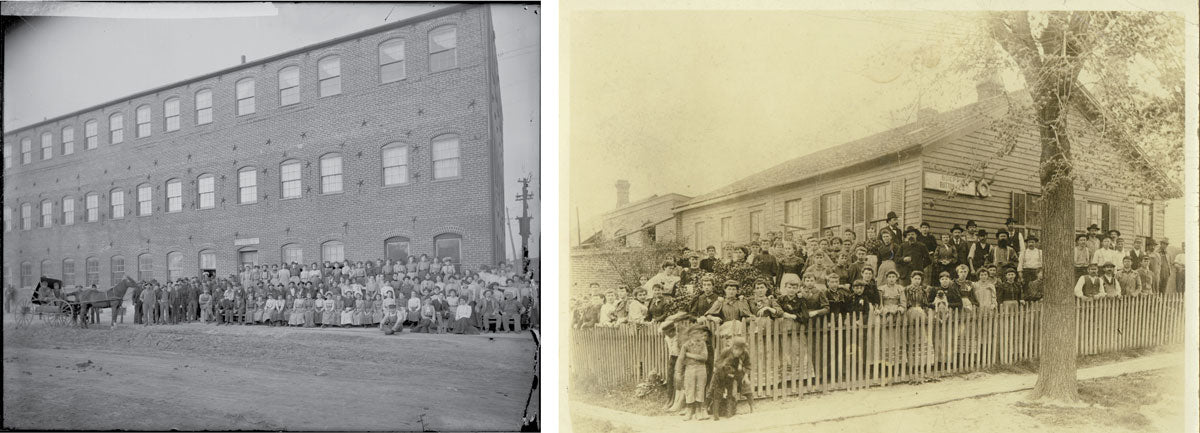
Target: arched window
391 60
396 248
116 201
145 267
448 245
91 134
145 199
245 96
443 48
116 128
329 74
26 216
289 179
208 262
174 195
395 164
247 185
116 269
174 265
26 150
91 269
68 272
331 173
68 140
289 85
92 205
204 112
445 156
46 268
247 256
47 146
143 121
333 251
206 191
26 274
293 253
47 213
68 211
171 114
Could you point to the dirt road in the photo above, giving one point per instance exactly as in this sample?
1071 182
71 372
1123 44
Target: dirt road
204 377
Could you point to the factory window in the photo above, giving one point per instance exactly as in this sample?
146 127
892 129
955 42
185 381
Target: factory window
116 269
293 253
68 211
208 262
245 96
174 195
174 265
448 245
7 156
396 249
26 216
333 251
68 140
831 210
91 270
391 61
26 150
117 203
8 214
92 204
289 178
395 164
47 213
143 121
68 272
443 48
329 74
206 187
47 146
116 128
145 267
91 134
204 111
145 200
289 85
171 114
445 157
247 185
26 274
331 174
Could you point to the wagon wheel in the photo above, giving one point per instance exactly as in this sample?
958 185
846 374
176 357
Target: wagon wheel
59 314
25 313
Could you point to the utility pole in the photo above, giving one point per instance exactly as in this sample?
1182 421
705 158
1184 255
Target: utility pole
524 222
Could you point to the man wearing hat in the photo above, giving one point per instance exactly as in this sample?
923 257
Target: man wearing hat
1029 260
961 246
914 255
1093 237
893 226
1016 238
1089 287
1082 255
980 252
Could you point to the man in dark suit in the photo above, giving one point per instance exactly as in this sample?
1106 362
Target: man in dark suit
914 255
961 246
765 263
137 303
1015 235
893 226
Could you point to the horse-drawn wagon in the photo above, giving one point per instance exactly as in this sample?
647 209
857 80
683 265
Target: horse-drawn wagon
52 305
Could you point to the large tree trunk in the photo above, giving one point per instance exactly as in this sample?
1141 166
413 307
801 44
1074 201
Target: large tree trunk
1056 369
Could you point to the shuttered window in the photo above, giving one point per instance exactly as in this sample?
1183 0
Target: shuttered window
756 223
830 210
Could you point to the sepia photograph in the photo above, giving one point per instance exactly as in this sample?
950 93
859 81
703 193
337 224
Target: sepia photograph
272 216
781 219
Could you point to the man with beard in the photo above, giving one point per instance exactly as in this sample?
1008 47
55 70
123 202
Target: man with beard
765 263
914 255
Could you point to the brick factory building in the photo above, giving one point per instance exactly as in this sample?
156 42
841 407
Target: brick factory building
378 144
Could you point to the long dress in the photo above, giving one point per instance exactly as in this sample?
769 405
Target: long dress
920 336
348 312
310 312
329 312
887 262
297 315
892 303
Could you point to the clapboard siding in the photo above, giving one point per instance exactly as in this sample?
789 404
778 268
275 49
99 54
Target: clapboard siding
903 171
1015 172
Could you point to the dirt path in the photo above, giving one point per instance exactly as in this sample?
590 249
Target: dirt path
203 377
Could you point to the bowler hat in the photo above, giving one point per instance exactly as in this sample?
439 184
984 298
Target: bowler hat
956 228
891 215
1010 220
1093 227
971 223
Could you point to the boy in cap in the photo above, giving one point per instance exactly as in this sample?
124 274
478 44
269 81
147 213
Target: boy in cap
1083 255
1029 260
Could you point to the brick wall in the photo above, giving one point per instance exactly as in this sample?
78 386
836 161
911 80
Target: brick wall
356 124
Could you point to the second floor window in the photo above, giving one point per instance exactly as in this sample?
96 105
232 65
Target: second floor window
289 176
391 61
68 140
68 211
171 114
145 203
174 195
143 121
116 128
245 97
204 113
206 187
329 72
247 186
117 203
289 85
395 164
47 213
445 157
90 134
92 203
331 174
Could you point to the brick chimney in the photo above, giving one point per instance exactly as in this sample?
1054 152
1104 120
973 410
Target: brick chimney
989 87
622 192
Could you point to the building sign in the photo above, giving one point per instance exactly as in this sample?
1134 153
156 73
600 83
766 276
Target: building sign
955 184
246 241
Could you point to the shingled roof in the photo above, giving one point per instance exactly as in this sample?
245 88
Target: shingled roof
894 141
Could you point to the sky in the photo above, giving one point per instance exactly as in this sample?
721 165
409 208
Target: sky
689 101
54 65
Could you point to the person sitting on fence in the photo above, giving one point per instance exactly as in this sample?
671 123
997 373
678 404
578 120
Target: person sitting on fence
1009 292
729 308
1128 278
762 304
1089 287
636 307
691 370
816 301
729 371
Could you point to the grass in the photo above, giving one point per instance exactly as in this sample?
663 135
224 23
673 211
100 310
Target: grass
1112 401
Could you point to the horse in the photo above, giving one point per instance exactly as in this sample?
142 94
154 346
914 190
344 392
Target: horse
111 298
